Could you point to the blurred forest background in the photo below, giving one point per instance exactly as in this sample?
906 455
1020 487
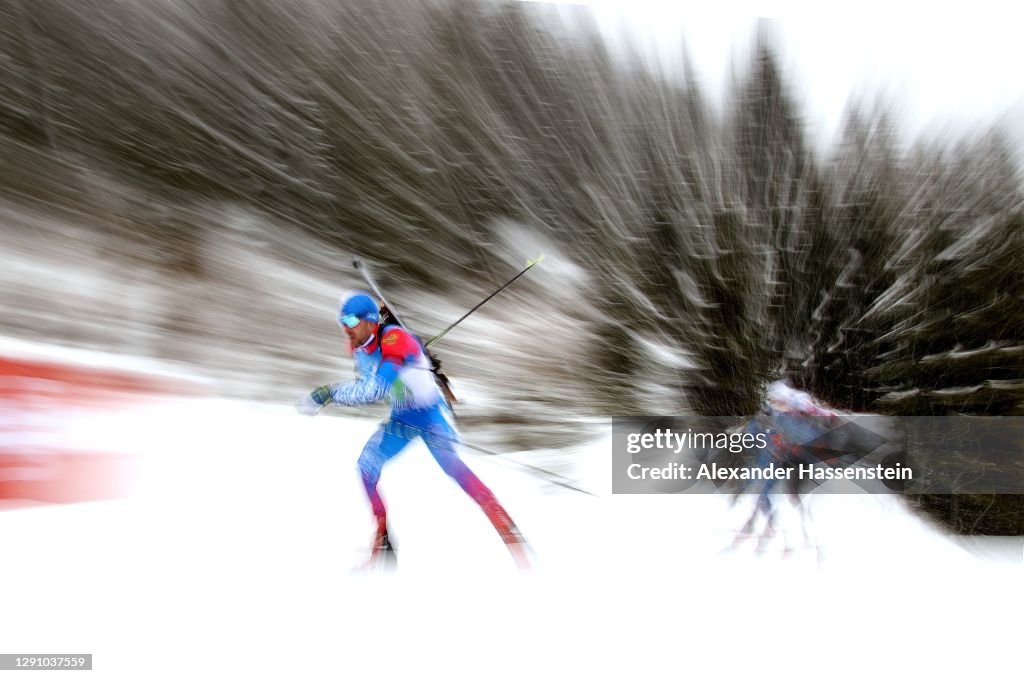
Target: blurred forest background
187 181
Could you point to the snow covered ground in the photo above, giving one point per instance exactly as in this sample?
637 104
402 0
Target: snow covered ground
233 562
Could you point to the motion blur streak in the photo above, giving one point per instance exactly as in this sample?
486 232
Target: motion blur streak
69 428
186 181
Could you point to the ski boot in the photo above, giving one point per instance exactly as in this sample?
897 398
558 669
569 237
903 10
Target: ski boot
382 552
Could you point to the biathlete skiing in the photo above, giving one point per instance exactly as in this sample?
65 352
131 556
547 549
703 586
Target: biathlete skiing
393 364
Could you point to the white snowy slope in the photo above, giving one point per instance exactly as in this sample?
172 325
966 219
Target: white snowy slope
233 562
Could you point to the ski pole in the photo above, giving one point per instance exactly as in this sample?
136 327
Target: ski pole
426 435
547 475
529 264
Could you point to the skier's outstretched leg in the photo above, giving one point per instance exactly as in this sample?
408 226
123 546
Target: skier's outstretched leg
762 508
381 447
441 439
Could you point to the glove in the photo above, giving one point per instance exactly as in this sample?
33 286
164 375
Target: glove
317 399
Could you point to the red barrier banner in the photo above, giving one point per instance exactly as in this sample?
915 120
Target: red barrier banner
63 423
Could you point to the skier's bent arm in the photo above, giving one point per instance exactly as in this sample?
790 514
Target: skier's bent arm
365 391
398 348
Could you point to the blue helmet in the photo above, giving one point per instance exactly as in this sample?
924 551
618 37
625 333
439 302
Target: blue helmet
356 307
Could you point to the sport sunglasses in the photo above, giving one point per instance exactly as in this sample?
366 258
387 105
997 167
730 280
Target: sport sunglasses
349 321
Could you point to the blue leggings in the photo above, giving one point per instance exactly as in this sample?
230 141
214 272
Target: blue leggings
440 438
